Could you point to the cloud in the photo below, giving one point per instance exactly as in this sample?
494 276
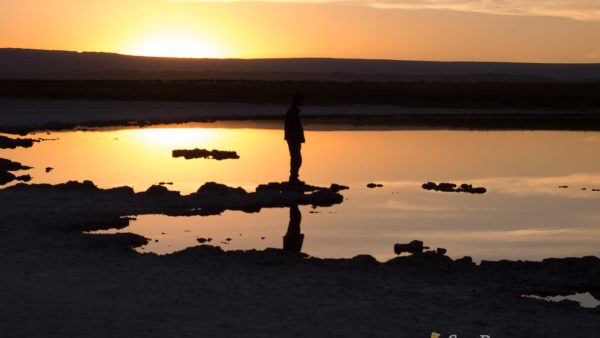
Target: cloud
586 10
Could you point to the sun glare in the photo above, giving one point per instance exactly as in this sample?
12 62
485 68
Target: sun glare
174 46
172 138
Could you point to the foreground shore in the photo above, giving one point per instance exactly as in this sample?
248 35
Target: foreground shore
58 281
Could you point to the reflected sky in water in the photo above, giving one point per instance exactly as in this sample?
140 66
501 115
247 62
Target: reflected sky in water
524 215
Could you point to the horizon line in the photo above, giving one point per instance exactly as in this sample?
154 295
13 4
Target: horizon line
295 58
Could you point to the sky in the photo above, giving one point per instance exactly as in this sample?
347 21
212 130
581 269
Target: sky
566 31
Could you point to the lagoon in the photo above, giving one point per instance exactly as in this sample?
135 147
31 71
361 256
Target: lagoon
523 215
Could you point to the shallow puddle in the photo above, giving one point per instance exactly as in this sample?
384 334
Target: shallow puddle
524 214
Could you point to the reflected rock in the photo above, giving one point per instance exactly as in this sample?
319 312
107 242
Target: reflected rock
103 222
6 177
374 185
122 241
6 166
214 154
452 187
49 169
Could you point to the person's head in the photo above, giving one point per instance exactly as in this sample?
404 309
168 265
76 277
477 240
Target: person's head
298 98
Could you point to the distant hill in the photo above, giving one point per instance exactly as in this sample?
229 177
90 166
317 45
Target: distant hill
43 64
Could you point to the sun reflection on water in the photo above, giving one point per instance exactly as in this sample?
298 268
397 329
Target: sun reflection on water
177 137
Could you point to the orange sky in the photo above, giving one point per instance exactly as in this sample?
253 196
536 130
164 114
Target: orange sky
494 30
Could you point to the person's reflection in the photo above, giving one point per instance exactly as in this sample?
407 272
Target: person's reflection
292 241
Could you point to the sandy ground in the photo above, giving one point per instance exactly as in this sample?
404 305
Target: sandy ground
57 281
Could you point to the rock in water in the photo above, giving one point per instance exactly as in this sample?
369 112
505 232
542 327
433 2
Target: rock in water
413 247
12 143
452 187
218 155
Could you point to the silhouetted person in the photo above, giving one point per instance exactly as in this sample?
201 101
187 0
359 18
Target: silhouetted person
293 239
294 135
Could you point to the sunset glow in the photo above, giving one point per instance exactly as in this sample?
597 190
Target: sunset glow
536 31
177 45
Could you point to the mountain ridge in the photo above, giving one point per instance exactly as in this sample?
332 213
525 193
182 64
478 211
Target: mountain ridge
19 63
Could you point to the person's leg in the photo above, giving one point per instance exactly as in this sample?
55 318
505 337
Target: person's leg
295 159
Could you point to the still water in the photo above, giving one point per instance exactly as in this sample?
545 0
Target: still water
524 214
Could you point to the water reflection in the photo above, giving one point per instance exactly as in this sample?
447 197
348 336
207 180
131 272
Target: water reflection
293 239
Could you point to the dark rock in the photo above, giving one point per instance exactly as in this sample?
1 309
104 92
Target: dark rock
6 177
374 185
12 143
122 191
121 240
364 260
421 259
85 186
49 169
441 251
202 240
467 260
24 178
8 165
563 186
212 188
211 198
452 187
158 191
282 187
197 251
338 187
429 186
203 153
413 247
269 256
103 222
